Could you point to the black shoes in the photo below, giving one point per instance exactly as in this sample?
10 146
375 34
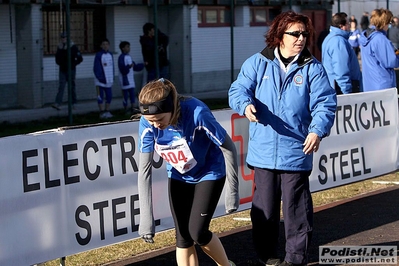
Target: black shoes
286 263
277 262
273 262
270 262
56 106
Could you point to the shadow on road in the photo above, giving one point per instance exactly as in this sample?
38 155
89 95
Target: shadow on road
371 219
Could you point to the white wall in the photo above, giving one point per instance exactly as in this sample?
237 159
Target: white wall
8 57
129 23
212 46
247 40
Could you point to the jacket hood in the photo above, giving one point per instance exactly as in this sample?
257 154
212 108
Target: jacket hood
338 31
367 35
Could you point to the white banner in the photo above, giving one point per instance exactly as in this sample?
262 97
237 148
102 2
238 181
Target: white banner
363 142
63 192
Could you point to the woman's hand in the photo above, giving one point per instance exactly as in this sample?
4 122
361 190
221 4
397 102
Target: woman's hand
311 144
250 112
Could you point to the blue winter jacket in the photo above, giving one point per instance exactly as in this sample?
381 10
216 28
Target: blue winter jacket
354 38
287 110
378 60
340 61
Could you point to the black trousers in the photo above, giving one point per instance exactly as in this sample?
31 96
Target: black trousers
293 188
192 207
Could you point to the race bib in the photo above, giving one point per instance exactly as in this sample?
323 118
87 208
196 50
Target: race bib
178 154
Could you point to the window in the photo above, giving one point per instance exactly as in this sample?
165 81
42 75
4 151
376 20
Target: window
87 28
213 16
262 15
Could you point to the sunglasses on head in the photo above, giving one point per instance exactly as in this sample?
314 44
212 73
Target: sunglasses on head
298 33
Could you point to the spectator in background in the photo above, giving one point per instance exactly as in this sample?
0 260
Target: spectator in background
103 69
149 49
285 94
354 37
379 59
353 19
339 58
61 59
364 21
393 32
126 68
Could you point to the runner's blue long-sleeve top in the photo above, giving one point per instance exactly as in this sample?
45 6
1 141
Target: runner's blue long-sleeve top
203 134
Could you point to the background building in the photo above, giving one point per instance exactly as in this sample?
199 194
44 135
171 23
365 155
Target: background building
205 50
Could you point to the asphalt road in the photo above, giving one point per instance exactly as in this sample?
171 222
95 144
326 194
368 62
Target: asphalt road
369 219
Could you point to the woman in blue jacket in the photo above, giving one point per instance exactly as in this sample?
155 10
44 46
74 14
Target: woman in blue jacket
285 93
378 54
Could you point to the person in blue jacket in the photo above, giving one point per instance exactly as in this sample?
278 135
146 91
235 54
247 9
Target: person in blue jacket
339 59
126 67
200 157
379 59
285 94
354 37
103 69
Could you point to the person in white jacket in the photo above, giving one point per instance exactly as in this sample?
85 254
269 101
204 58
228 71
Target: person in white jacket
104 78
126 67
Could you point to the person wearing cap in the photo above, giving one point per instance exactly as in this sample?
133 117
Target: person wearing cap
200 156
61 59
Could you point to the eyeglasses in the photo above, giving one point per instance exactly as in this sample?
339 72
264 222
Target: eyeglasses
296 34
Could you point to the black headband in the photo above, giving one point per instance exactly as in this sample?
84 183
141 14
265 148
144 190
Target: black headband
163 106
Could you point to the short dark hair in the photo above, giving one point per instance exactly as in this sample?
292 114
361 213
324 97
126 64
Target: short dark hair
123 44
339 19
147 27
105 40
